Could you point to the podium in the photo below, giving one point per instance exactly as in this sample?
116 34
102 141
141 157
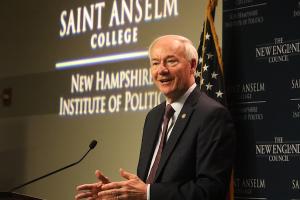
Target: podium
15 196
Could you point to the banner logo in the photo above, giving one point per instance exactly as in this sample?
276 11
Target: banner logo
278 150
279 51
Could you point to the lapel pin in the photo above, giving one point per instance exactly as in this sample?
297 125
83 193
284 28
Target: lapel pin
183 115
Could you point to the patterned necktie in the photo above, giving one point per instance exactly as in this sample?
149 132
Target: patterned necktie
167 116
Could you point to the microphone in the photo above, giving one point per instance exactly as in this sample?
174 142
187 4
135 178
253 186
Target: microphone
91 146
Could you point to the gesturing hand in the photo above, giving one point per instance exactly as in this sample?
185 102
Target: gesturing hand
90 191
131 189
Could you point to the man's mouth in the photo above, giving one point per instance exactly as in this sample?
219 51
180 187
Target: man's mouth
165 81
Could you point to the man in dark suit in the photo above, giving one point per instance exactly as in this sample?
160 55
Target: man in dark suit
188 141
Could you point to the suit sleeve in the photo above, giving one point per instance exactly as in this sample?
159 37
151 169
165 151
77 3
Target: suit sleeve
214 160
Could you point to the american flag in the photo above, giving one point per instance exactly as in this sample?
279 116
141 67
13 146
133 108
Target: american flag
209 74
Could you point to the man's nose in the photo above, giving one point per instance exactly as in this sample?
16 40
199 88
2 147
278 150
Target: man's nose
162 68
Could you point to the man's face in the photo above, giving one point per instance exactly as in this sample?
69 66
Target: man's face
171 71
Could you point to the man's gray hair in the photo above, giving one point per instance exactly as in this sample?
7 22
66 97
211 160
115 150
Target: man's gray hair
190 50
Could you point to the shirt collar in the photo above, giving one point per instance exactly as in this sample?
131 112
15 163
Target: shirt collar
177 105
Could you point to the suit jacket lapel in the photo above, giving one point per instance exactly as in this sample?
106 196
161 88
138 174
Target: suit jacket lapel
150 139
178 129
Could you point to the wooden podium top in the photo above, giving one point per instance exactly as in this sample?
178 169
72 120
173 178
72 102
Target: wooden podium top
15 196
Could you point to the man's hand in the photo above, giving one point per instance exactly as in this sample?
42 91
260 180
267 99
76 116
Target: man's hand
131 189
90 191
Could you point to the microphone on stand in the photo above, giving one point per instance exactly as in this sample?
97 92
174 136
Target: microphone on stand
91 146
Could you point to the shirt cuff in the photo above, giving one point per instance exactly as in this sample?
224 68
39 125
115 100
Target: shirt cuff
148 192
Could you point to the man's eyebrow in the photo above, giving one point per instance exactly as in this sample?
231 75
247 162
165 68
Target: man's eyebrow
154 59
170 57
167 57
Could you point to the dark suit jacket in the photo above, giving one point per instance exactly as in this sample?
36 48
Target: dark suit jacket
197 160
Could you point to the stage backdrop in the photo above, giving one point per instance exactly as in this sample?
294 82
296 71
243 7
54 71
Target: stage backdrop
73 71
261 49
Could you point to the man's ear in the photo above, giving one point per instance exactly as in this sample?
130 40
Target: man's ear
193 64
